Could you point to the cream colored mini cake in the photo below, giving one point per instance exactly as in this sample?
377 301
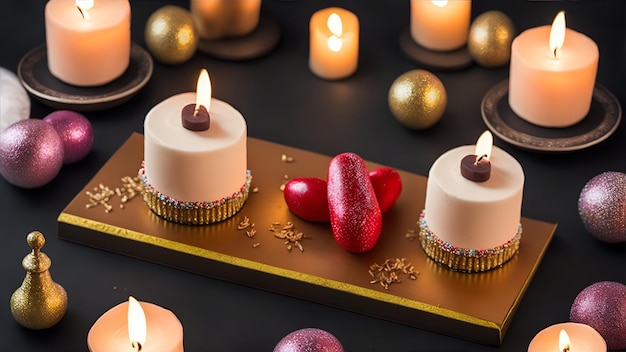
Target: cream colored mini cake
195 176
468 225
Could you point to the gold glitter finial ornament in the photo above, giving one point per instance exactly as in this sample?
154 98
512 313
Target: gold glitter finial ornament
40 302
417 99
490 38
170 35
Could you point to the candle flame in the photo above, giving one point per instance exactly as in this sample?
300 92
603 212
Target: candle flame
440 3
483 146
203 91
136 324
335 43
564 342
557 33
83 6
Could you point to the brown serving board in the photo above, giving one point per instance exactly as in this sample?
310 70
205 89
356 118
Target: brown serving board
478 307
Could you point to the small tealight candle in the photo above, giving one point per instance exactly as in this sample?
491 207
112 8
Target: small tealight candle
87 41
334 43
440 25
477 167
136 326
568 337
552 74
195 117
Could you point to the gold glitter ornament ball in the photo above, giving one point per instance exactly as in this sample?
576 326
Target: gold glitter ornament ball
417 99
39 303
490 38
170 35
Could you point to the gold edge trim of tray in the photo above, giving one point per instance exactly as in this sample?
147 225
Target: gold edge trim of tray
248 264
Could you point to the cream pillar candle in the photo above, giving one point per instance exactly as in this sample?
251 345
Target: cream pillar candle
334 43
195 166
552 90
88 47
572 337
216 19
110 333
440 25
474 215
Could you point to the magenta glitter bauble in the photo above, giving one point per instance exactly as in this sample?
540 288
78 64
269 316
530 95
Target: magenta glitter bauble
603 307
309 340
602 206
75 131
31 153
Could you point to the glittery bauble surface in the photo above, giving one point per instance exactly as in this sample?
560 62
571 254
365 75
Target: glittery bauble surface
39 302
309 340
602 206
14 101
603 307
490 38
170 35
31 153
75 131
417 99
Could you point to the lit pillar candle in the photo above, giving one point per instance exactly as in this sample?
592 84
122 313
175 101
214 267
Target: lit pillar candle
334 43
568 337
120 329
551 84
440 25
88 43
195 165
216 19
484 214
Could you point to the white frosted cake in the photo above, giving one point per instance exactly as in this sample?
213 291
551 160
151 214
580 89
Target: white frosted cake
467 225
195 177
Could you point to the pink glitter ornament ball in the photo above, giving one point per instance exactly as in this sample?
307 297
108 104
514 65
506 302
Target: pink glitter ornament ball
309 340
31 153
602 206
603 307
75 131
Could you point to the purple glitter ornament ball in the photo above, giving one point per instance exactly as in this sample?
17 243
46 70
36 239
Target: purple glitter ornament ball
603 307
309 340
75 131
602 206
31 153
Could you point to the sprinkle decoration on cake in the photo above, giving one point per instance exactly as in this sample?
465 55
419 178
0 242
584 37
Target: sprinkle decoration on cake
471 218
195 158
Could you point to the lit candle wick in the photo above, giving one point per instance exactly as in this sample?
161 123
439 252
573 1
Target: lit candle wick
479 158
83 13
136 346
566 348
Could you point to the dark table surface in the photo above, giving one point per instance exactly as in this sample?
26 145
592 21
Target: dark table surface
285 103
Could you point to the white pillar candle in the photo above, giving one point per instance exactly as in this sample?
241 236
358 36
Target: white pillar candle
469 214
195 166
440 25
333 52
552 90
89 47
216 19
110 333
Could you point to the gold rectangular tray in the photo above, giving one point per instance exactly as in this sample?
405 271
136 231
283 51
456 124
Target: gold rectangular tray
477 307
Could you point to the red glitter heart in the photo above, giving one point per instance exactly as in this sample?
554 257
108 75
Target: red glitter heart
306 197
387 185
